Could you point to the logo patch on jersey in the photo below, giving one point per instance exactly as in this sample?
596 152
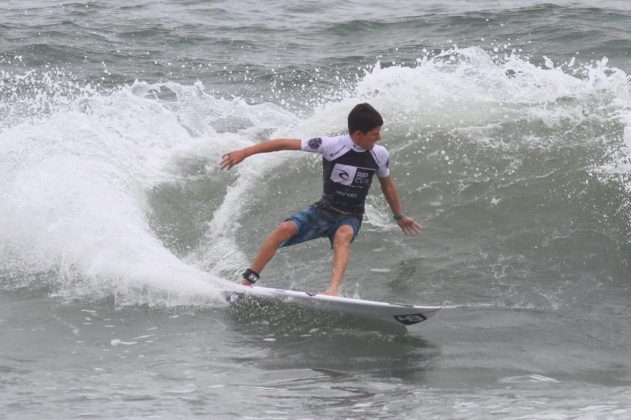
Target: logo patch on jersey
362 177
343 174
351 175
314 143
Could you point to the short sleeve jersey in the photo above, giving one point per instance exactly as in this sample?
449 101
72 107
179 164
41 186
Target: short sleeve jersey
347 170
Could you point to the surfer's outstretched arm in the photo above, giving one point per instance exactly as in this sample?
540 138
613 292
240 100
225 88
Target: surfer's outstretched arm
406 223
237 156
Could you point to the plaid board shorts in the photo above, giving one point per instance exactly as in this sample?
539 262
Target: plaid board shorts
319 222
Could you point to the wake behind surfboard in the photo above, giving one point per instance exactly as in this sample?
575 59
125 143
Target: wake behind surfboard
393 314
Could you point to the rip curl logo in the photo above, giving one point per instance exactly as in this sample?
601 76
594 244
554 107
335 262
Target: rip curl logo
410 319
362 177
343 175
352 175
315 143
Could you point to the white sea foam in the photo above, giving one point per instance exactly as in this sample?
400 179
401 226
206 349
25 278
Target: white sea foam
469 87
73 200
77 167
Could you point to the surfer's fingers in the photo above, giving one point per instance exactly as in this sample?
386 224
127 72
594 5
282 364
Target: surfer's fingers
225 162
416 228
411 228
229 160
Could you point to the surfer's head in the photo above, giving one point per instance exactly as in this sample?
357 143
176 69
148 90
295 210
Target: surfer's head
364 125
363 118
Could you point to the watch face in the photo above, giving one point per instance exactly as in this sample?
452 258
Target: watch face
250 276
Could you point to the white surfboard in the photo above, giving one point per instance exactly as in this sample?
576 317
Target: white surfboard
389 313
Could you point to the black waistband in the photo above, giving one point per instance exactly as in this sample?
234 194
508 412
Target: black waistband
323 205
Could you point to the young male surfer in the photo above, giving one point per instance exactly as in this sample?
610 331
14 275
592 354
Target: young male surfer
349 163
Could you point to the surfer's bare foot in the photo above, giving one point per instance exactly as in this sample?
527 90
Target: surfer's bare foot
329 292
244 282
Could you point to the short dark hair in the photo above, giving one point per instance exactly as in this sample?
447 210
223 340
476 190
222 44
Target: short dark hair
363 118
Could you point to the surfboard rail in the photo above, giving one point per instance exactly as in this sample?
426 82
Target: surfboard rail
391 313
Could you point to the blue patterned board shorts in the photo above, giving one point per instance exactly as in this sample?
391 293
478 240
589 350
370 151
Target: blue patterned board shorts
318 222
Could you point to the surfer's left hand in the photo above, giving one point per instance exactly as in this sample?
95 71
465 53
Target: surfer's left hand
409 226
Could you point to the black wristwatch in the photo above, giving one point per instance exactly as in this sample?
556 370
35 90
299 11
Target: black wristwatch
251 275
398 217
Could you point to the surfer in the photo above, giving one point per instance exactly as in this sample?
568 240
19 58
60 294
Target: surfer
349 163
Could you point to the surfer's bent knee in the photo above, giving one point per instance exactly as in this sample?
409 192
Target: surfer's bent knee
344 235
287 228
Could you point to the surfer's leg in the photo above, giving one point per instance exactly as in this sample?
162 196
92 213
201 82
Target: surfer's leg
341 249
284 231
300 227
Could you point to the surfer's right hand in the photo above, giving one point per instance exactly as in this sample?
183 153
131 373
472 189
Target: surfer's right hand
232 158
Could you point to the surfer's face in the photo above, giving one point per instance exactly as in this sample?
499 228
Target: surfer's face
367 140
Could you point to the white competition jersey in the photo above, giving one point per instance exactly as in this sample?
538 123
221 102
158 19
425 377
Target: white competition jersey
347 170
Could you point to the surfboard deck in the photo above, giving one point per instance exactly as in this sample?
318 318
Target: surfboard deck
395 314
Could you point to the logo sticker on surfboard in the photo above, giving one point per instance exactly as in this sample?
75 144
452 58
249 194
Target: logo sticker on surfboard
410 319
